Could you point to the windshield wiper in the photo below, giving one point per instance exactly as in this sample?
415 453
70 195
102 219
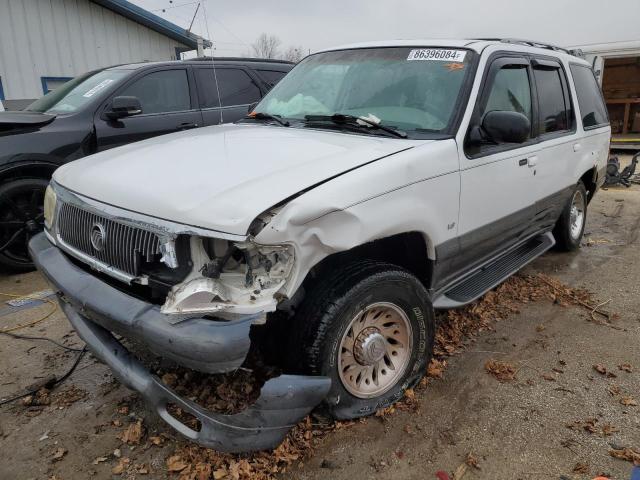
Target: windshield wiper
267 116
352 120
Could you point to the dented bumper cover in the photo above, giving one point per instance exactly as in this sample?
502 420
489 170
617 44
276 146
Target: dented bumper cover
95 309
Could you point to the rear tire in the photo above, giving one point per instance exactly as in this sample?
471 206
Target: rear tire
569 228
21 217
370 328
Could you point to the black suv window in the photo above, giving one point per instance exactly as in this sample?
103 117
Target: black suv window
271 77
554 105
592 107
161 92
511 91
235 85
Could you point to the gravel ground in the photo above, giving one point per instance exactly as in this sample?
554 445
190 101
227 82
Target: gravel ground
515 430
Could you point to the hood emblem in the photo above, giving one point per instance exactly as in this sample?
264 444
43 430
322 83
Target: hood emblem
98 237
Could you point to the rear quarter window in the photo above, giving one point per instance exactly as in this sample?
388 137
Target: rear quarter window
592 108
271 77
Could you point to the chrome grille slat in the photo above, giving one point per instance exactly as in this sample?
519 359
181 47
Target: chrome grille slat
123 242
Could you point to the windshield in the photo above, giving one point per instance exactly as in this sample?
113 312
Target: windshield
77 92
413 89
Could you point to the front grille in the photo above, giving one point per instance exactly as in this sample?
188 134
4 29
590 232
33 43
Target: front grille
121 246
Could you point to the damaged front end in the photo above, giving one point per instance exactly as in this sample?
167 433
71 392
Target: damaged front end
186 297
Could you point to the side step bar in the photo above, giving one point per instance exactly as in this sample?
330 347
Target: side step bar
493 273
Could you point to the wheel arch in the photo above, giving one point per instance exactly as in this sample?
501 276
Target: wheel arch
28 169
590 181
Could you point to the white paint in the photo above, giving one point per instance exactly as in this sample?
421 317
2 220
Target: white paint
65 38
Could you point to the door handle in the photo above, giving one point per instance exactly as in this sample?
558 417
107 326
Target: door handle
577 147
532 161
187 126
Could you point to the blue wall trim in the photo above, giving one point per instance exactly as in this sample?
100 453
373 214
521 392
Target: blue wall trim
154 22
1 90
44 80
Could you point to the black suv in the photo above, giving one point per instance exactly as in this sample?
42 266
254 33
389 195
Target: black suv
107 108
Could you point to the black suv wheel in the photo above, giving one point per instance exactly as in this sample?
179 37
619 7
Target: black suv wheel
21 217
370 328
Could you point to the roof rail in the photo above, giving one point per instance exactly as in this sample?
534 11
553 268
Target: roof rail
237 59
533 43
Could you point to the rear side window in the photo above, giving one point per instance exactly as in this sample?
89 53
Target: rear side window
271 77
554 105
235 86
161 92
592 107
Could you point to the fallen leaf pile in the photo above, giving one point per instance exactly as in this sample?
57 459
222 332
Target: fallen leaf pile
132 435
68 396
503 371
590 425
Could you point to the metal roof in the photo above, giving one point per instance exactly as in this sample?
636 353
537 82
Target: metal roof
154 22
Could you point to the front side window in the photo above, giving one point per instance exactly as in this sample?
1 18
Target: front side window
511 91
161 92
554 105
76 93
412 89
592 107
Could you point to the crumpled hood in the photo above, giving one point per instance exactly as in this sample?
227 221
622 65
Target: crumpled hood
223 177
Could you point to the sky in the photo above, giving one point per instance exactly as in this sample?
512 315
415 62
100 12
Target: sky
313 25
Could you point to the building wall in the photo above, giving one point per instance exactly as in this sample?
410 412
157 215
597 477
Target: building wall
64 38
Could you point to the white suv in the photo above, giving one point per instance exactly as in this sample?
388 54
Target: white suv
375 183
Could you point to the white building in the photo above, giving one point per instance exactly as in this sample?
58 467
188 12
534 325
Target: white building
44 43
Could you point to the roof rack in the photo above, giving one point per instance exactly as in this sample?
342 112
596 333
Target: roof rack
532 43
237 59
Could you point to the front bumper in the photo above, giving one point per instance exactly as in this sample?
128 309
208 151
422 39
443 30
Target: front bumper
94 308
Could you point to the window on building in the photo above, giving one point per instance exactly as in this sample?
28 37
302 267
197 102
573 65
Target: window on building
592 107
236 87
49 84
555 107
161 92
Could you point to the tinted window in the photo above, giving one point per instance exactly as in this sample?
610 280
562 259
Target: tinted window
271 77
236 87
159 92
511 92
555 110
592 107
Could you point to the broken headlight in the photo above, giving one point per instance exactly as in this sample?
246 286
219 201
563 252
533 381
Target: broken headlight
237 277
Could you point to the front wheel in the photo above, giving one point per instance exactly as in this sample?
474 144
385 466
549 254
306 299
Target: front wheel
21 217
570 226
370 328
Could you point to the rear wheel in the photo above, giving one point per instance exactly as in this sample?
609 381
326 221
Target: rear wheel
570 226
21 217
368 327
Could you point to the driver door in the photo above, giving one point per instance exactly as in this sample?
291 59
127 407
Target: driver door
497 180
168 105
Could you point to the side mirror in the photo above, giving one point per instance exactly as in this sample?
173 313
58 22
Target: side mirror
124 107
506 127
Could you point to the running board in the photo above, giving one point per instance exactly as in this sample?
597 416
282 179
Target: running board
493 273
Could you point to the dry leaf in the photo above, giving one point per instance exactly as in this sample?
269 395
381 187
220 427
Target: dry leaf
472 461
503 371
58 454
100 460
157 440
628 454
626 367
608 429
548 377
133 433
175 463
436 368
628 402
582 468
121 466
460 471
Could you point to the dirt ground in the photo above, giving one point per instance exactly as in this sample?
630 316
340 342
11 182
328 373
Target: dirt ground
514 430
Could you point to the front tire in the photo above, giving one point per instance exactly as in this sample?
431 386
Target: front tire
368 327
569 229
21 217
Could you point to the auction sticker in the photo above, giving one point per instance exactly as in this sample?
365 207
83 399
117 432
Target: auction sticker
437 54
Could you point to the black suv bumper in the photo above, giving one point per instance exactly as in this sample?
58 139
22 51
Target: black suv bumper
95 309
